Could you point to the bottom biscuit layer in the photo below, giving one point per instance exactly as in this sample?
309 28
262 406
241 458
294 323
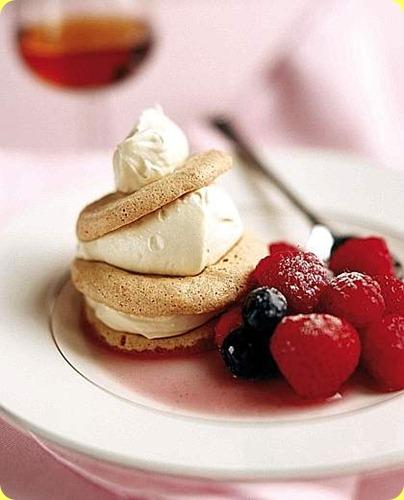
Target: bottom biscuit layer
198 340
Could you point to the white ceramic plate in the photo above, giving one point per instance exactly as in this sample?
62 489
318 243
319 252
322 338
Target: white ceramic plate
187 416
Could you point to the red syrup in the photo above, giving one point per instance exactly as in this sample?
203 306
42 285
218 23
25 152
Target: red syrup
199 384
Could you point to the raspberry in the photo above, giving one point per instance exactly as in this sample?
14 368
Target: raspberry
365 255
260 271
301 277
228 321
393 293
282 246
316 353
355 297
383 351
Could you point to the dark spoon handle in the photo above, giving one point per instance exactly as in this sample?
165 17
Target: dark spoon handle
246 154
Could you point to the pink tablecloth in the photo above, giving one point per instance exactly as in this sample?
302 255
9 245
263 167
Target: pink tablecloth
33 470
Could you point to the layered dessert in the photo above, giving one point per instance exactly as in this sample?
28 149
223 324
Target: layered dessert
163 255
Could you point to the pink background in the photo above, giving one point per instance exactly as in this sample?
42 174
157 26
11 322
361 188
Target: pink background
313 72
196 65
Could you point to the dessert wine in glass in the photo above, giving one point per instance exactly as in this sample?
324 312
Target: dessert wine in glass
83 43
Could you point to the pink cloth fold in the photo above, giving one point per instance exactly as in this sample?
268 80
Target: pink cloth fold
338 83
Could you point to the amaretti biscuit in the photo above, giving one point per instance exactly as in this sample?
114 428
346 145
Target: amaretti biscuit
197 340
146 295
116 210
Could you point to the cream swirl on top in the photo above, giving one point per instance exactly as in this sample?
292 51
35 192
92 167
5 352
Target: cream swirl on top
155 147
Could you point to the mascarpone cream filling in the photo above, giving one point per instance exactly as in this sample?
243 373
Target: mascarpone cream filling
151 328
180 239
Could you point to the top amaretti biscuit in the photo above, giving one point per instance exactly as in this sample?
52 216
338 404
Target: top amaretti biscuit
116 210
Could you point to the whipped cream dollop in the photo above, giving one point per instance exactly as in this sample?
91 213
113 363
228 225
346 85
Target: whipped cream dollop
155 147
151 328
180 239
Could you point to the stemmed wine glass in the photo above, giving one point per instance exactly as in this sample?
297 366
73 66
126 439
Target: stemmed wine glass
87 46
83 43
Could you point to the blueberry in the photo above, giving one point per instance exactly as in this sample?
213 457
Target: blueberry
246 354
263 309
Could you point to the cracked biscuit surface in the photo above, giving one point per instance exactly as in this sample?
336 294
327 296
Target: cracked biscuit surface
117 209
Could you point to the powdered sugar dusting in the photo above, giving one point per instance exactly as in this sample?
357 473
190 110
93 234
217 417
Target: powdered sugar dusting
300 276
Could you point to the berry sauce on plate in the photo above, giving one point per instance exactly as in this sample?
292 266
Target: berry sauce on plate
198 383
196 386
